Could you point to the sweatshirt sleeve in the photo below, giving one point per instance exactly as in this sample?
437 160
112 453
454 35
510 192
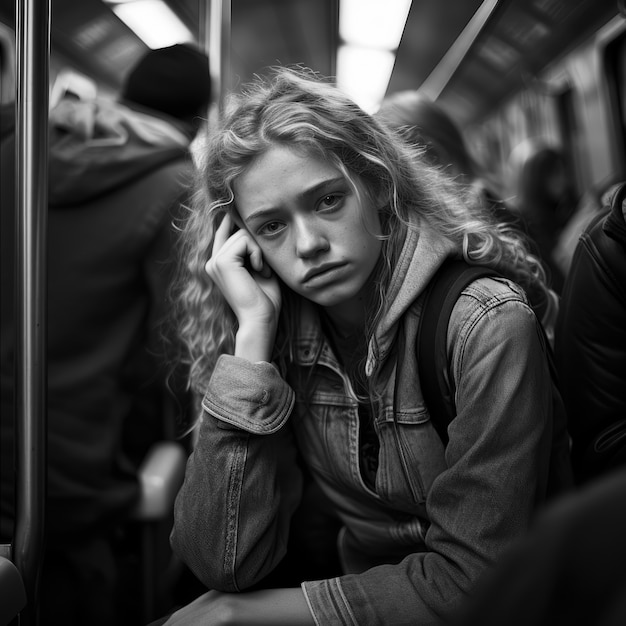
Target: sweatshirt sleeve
242 484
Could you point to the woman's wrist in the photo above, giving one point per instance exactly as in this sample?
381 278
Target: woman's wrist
273 607
255 342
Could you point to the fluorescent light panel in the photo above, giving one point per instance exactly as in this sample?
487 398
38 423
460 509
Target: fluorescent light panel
152 21
363 73
373 23
370 31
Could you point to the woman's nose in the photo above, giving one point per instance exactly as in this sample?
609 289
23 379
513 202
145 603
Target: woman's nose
310 240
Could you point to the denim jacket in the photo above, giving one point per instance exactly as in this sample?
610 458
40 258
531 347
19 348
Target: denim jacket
413 545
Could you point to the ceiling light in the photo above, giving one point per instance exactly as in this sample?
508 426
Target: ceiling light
363 74
370 32
152 21
373 23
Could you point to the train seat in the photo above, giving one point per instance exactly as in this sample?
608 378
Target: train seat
13 596
161 475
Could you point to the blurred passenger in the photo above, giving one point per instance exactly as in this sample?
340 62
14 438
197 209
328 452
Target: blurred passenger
591 343
324 232
588 207
118 172
568 571
7 128
544 196
424 122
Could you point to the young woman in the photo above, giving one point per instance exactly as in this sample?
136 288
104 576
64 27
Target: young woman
323 230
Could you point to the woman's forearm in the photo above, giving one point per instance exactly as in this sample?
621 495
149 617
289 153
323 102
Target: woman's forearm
242 483
274 607
269 607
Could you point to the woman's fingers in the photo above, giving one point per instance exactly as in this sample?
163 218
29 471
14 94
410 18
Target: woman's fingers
222 234
230 252
237 244
237 268
256 259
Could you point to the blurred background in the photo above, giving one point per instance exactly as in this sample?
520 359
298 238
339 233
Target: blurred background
471 56
534 91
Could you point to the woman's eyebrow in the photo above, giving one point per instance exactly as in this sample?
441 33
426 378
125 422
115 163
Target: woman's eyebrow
303 195
260 214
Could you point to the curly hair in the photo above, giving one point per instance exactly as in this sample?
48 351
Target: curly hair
296 107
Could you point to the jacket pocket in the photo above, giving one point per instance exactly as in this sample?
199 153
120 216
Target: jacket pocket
411 455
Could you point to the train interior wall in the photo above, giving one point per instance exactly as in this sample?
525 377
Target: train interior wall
576 103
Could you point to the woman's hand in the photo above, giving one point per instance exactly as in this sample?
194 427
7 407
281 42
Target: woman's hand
270 607
237 268
249 286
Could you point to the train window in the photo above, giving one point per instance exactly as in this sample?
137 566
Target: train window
615 63
569 131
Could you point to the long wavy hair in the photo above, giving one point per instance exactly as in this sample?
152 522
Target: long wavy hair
298 108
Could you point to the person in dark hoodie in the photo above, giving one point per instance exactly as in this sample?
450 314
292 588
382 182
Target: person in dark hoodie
118 175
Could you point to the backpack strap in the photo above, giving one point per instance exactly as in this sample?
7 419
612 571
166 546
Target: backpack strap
442 293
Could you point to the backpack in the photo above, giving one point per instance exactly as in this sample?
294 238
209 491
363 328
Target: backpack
442 293
432 362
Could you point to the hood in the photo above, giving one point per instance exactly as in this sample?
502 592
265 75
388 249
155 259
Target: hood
99 145
423 252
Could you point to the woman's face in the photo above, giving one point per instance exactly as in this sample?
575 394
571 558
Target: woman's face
314 232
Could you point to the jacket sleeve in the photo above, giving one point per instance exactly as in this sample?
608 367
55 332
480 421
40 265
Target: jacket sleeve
232 514
497 460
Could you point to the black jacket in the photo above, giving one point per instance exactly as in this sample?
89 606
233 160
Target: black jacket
590 342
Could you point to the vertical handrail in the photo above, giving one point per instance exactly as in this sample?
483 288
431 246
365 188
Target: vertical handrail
334 39
33 54
219 48
204 25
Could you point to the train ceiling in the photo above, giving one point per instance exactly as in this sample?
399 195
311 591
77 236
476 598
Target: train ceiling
515 41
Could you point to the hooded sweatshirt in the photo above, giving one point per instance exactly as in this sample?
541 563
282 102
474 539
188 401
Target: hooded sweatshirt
116 180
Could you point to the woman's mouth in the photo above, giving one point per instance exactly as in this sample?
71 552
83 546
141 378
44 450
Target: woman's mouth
323 274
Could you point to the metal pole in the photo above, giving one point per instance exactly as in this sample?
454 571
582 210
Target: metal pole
219 48
437 80
33 54
204 25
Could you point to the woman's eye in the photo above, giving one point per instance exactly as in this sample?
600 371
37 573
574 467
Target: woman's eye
271 228
331 201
